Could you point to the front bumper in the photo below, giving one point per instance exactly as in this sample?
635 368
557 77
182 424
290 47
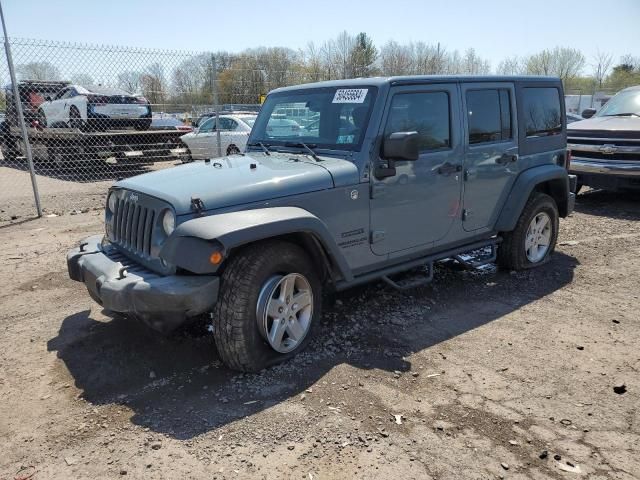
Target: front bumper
611 174
615 168
162 302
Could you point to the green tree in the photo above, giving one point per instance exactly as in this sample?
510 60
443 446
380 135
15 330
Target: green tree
363 56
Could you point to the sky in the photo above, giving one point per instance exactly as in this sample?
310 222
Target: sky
495 28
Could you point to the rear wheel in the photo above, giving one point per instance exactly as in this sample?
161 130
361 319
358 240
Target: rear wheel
534 238
269 305
75 119
233 150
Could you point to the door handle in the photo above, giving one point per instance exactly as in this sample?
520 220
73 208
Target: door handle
449 168
506 158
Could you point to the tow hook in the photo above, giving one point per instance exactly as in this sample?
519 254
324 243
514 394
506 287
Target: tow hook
122 273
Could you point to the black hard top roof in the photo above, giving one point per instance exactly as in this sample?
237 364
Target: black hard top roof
418 79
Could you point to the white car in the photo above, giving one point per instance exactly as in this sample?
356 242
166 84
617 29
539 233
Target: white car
234 133
98 108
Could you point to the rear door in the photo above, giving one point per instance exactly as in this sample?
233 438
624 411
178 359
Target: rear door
491 151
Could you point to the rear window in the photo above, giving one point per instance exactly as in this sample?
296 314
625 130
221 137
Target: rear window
541 111
489 115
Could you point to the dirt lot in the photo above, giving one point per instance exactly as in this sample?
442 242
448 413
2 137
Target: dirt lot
476 376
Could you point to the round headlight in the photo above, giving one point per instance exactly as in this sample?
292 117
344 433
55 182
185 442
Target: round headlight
111 202
169 222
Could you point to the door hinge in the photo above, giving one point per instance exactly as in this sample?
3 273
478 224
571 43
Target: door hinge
377 190
465 214
377 236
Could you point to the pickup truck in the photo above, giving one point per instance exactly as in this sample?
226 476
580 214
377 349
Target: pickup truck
605 148
399 173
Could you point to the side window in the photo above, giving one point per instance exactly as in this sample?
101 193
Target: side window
488 115
541 111
61 94
427 113
227 124
207 125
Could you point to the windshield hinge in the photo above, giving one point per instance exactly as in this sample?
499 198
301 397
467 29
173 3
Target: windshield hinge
197 205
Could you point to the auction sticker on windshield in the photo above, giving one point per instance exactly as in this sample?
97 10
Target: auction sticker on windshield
350 95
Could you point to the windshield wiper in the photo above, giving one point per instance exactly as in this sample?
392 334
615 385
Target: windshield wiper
627 114
261 145
306 147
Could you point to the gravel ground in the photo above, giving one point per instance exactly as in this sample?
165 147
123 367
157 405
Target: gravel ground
479 375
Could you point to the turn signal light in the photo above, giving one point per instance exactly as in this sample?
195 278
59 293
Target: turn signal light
215 258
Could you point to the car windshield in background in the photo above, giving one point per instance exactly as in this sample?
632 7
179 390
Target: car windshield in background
623 104
249 120
328 118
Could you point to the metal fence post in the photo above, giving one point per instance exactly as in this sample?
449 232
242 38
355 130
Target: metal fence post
216 105
18 102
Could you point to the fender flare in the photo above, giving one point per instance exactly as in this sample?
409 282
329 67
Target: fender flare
193 241
522 188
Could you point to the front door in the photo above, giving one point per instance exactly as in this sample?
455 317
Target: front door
491 157
418 205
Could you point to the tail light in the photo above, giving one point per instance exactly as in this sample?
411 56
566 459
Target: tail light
567 164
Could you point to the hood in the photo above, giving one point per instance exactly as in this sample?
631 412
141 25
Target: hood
236 180
605 124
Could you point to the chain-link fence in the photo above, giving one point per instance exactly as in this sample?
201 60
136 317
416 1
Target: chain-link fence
92 114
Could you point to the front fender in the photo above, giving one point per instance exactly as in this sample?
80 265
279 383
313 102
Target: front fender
191 244
522 188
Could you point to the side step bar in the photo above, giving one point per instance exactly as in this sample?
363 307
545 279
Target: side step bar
426 261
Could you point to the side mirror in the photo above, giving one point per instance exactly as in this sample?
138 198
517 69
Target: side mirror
401 146
588 112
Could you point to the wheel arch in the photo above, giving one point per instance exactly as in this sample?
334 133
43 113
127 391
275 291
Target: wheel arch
550 179
229 233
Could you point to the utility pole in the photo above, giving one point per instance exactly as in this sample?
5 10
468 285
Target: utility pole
21 122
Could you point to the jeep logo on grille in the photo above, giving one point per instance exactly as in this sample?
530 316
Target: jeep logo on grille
133 197
608 149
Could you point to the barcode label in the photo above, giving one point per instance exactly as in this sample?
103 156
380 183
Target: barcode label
350 95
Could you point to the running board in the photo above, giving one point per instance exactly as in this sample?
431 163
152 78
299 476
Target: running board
419 262
477 258
406 281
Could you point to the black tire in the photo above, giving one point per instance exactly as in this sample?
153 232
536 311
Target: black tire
511 252
75 119
9 151
232 150
42 119
240 344
186 157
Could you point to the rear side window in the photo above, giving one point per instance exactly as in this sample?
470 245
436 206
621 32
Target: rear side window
426 113
542 113
488 115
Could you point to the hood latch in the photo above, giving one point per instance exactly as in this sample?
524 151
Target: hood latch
197 205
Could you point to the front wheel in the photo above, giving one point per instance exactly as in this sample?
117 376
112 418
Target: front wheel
534 238
269 305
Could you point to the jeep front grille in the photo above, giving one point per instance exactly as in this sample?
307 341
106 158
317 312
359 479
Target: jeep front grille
133 226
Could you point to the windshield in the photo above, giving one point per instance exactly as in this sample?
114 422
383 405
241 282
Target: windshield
623 103
330 118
